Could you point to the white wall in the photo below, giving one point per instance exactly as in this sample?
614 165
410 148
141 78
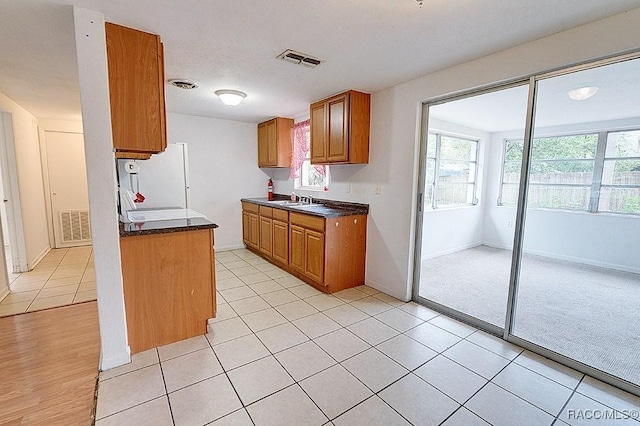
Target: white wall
31 218
3 214
223 158
101 180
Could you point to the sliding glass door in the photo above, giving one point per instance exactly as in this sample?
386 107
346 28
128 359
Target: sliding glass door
530 215
578 291
466 244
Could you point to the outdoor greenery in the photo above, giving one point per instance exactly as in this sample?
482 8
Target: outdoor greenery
563 167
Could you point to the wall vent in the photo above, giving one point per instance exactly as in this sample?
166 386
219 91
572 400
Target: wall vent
75 226
299 58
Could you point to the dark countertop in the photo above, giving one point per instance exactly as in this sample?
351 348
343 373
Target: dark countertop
329 208
164 226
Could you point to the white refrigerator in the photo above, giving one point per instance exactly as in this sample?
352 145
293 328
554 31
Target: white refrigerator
163 179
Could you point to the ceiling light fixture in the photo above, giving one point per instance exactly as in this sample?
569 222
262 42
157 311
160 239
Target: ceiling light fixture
582 93
231 97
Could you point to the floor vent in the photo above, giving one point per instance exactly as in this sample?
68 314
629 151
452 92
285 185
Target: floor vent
299 58
75 225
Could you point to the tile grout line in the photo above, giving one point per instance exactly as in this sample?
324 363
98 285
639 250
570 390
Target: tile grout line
166 390
225 372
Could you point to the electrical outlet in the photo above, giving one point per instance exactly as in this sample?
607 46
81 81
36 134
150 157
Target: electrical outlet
377 189
348 188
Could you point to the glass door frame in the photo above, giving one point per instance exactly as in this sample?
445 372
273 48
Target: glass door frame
521 209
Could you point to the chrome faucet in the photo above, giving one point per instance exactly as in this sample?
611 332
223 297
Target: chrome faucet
303 200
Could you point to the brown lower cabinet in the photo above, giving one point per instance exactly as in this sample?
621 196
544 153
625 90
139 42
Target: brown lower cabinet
169 286
328 253
251 225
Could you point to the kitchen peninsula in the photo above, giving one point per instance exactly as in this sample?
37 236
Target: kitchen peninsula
169 280
322 243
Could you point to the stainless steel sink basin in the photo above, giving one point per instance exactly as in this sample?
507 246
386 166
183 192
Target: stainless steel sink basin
304 205
289 203
285 203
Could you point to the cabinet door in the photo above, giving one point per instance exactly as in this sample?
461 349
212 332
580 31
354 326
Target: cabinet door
266 235
296 248
263 146
281 241
314 255
136 89
338 127
246 227
272 143
169 287
254 233
318 133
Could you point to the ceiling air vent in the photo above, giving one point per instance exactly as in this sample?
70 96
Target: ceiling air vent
183 84
299 58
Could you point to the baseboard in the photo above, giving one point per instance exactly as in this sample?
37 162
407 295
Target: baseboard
607 265
386 290
114 361
4 293
229 248
451 250
498 246
38 258
76 244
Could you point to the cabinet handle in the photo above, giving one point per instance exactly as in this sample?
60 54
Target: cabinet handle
355 220
337 224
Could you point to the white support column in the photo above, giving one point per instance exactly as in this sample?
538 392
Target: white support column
101 179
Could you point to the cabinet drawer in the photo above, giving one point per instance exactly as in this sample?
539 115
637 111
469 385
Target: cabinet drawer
281 215
266 211
250 207
307 221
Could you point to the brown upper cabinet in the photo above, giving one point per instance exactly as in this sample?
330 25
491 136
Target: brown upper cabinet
340 129
275 138
136 91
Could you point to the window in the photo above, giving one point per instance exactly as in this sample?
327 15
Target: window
574 173
620 184
451 172
306 176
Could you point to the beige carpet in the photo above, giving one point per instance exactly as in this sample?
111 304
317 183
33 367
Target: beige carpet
587 313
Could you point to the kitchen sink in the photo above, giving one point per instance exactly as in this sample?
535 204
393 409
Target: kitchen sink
304 205
288 203
285 203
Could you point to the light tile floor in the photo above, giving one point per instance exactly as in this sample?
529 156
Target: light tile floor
63 277
281 353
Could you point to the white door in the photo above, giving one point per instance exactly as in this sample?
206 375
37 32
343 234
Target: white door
68 188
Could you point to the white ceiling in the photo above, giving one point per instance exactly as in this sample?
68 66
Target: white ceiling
616 99
367 45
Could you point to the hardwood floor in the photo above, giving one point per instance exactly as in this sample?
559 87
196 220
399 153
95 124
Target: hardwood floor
48 366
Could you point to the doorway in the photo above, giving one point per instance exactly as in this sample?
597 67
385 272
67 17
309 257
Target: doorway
530 225
65 275
67 186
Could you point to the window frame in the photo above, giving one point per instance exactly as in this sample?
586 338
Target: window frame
596 185
306 164
436 173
